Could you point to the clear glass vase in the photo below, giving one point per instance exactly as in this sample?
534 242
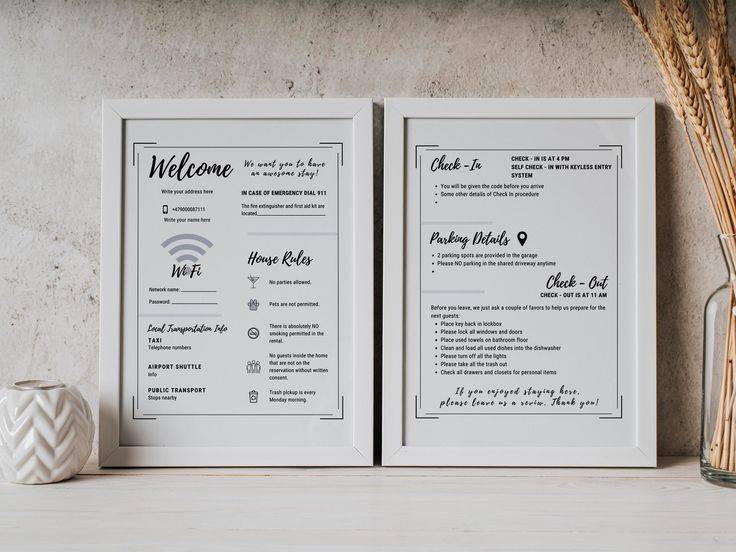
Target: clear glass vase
718 429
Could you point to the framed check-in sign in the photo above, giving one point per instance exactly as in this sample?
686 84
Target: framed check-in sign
519 283
236 285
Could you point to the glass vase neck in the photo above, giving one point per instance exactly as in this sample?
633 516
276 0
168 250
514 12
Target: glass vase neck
728 248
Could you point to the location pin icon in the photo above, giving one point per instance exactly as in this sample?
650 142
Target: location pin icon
521 236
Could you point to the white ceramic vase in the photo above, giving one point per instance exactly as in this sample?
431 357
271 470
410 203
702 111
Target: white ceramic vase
46 431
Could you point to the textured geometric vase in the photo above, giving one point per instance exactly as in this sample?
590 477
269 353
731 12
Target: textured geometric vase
46 432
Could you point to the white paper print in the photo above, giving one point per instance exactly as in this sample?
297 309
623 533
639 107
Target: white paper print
512 278
236 268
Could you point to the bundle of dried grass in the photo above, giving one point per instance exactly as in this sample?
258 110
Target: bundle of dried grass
699 80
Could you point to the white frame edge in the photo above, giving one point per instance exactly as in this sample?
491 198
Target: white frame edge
115 112
394 452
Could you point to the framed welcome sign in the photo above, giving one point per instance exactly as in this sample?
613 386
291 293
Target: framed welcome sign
236 285
519 307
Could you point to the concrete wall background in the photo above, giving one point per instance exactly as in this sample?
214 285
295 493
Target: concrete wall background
59 59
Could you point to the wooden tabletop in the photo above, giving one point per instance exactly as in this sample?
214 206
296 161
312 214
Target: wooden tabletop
397 509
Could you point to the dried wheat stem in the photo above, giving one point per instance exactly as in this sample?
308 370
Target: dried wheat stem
727 442
728 176
732 438
641 23
724 198
687 38
725 435
722 194
729 420
722 64
722 86
721 181
716 440
709 194
732 429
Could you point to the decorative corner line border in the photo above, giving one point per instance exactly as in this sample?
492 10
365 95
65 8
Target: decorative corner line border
620 414
342 147
416 411
141 144
342 411
619 162
416 152
133 411
621 149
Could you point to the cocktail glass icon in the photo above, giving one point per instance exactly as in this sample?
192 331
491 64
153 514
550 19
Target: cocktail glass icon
253 280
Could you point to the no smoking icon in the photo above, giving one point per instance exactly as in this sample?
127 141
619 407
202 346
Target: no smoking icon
253 333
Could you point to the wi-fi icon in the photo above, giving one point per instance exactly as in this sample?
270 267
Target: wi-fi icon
182 248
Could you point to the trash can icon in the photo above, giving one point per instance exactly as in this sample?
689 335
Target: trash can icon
253 396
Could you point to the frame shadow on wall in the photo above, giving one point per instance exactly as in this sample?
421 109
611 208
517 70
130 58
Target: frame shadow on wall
676 421
377 277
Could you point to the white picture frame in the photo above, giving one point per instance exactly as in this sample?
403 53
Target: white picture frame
638 446
355 166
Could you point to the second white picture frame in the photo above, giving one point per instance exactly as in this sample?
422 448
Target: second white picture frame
519 282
